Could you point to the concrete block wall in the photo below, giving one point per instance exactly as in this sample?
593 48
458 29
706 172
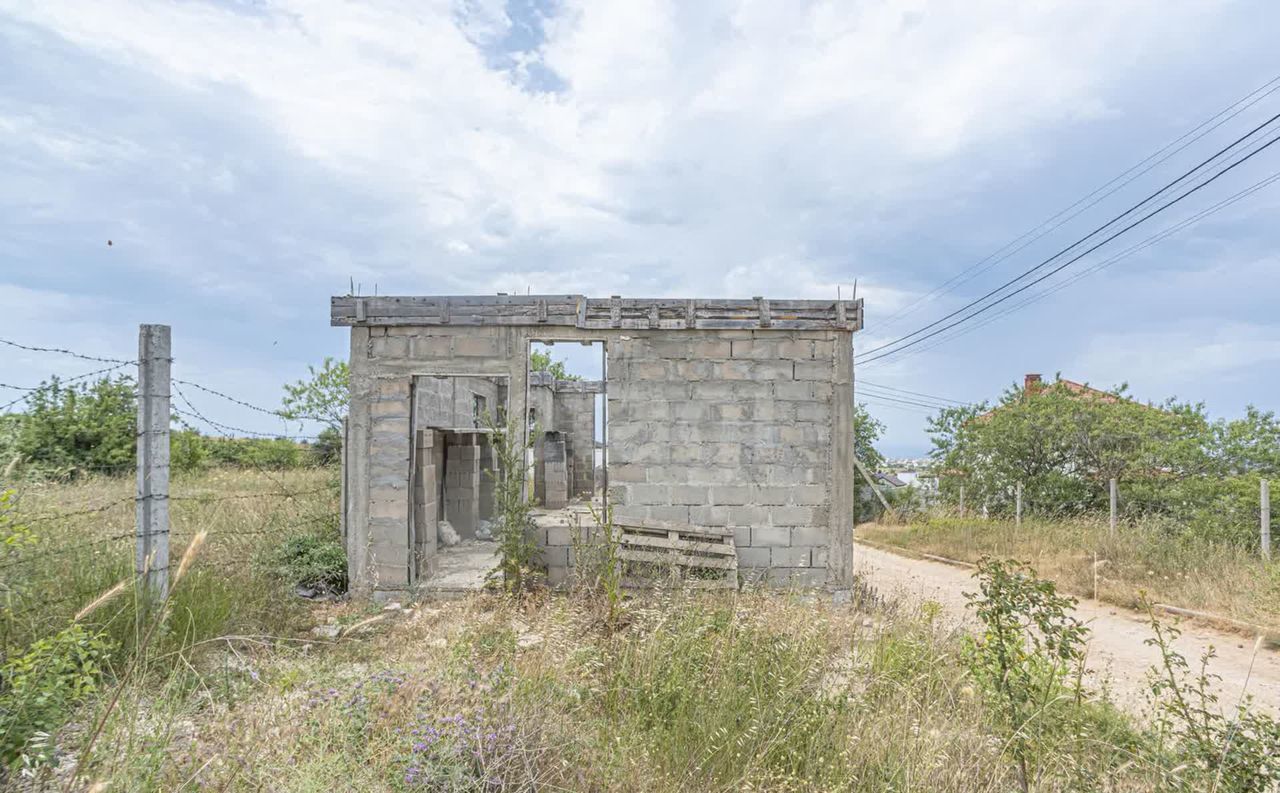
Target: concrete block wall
576 418
449 402
462 479
739 428
731 429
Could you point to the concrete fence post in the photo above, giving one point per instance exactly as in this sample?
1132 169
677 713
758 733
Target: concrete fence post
1113 506
152 553
1265 529
1017 515
962 501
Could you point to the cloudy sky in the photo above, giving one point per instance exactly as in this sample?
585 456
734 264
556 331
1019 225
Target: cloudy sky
249 159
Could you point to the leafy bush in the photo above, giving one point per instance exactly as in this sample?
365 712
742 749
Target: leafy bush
1029 655
39 688
68 430
1240 753
313 561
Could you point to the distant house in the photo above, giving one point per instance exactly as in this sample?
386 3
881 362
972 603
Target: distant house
1033 384
888 480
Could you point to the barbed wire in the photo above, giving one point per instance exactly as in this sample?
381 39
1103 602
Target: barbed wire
62 351
251 406
61 382
226 429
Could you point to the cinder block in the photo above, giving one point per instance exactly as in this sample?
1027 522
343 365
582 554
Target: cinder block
671 512
559 535
475 347
789 557
793 390
809 535
709 516
430 347
748 516
731 495
741 535
808 495
732 411
733 370
645 493
709 349
814 370
389 347
772 370
770 536
803 577
791 516
771 496
688 494
557 576
754 557
555 556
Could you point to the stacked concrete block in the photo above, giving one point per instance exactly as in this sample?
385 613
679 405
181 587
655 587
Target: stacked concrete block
488 472
575 412
462 483
551 471
426 505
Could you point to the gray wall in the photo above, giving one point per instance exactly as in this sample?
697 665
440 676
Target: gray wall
750 429
448 402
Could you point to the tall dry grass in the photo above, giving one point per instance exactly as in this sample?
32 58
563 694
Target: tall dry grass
77 543
1178 569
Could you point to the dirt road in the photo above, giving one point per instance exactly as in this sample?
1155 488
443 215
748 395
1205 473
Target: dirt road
1117 651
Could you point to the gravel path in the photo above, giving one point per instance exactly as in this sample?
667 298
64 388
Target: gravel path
1117 652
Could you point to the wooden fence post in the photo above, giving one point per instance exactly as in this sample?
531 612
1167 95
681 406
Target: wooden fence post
151 559
1265 535
1113 506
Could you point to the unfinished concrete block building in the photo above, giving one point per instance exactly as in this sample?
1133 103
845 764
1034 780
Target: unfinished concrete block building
734 415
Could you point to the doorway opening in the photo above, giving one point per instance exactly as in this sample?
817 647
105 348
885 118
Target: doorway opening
453 462
567 421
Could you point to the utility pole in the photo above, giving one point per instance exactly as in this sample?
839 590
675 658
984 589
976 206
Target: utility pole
152 558
1113 506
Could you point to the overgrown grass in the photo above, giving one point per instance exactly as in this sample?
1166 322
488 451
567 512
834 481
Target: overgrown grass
80 543
697 692
684 691
1181 570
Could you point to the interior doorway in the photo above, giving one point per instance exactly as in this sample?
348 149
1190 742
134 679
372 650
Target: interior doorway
567 421
453 465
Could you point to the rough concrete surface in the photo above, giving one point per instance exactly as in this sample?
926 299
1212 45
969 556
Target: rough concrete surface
1117 649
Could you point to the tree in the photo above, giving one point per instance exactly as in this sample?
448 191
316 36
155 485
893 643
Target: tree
866 431
79 427
322 397
541 362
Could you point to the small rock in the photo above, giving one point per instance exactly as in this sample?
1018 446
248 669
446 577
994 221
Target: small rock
305 592
393 606
868 623
528 640
439 641
326 631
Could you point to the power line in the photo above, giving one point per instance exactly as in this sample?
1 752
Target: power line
1069 262
1147 243
1004 252
861 382
1103 227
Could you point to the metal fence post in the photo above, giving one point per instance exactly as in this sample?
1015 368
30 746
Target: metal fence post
1113 507
152 557
1265 535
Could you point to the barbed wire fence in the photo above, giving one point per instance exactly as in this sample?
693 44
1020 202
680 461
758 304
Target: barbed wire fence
153 389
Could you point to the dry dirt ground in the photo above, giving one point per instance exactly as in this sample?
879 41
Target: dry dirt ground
1118 654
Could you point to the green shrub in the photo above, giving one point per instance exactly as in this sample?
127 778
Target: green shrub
39 688
68 430
313 561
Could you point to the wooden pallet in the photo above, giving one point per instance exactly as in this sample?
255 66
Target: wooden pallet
702 556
